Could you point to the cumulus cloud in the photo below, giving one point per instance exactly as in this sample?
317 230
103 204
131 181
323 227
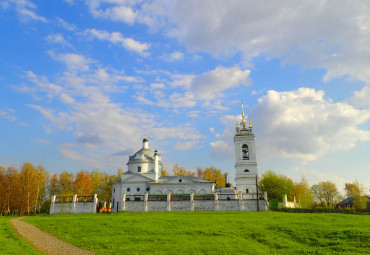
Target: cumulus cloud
209 84
332 37
299 124
57 39
8 114
208 87
74 62
303 124
174 56
118 38
113 10
24 8
92 116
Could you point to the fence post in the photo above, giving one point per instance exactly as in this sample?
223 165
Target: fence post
124 202
53 198
169 201
216 201
95 202
145 202
74 201
241 205
191 205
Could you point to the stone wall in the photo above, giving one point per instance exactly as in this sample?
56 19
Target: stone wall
214 204
76 206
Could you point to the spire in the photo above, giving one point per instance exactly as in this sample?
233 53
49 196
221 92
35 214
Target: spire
145 142
243 120
250 124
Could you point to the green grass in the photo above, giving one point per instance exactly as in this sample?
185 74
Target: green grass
10 242
212 232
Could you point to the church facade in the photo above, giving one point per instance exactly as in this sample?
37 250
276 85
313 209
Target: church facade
142 182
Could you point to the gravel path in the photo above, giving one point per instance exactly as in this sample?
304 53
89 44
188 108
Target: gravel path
42 241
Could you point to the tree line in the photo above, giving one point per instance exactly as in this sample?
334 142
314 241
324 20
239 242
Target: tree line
28 190
323 194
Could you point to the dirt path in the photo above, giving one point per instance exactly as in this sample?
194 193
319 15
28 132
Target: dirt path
42 241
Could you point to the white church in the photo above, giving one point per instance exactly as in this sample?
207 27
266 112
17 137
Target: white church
142 182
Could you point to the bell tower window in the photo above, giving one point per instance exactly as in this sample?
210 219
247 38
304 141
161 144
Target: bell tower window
139 169
245 152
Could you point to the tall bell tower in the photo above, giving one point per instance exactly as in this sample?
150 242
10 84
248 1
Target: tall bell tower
245 157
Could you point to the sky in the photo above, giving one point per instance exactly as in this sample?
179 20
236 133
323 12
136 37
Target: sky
81 81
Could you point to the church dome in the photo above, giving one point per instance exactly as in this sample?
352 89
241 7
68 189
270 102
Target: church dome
143 155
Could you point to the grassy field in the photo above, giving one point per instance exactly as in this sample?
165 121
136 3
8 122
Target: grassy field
212 232
10 243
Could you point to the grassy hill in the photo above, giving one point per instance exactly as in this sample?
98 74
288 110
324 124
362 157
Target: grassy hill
10 242
212 232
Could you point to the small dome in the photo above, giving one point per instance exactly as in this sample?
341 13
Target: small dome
145 140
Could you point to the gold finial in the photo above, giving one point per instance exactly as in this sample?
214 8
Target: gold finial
243 120
250 124
145 135
237 125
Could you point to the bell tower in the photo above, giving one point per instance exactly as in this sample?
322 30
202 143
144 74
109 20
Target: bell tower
245 157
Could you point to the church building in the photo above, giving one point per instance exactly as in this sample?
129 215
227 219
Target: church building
143 175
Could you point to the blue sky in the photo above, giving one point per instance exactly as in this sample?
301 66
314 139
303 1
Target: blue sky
81 81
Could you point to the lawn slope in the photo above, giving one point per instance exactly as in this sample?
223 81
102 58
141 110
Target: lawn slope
10 242
212 232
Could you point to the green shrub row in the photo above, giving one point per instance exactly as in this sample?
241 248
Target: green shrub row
323 210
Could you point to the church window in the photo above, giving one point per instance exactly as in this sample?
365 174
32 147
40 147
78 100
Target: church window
247 191
113 203
128 189
180 180
138 189
114 190
147 189
246 171
245 152
128 199
139 169
137 199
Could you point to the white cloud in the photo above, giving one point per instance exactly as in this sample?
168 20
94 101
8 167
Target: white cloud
117 10
303 124
210 84
118 38
157 86
183 146
25 9
74 62
8 114
57 39
66 25
174 56
298 124
97 122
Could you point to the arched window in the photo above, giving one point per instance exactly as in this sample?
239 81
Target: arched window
245 152
246 171
138 189
128 189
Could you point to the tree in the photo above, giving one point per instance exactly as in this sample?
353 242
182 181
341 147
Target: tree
276 185
326 193
164 173
180 171
28 178
54 187
66 181
83 185
303 193
357 191
212 174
